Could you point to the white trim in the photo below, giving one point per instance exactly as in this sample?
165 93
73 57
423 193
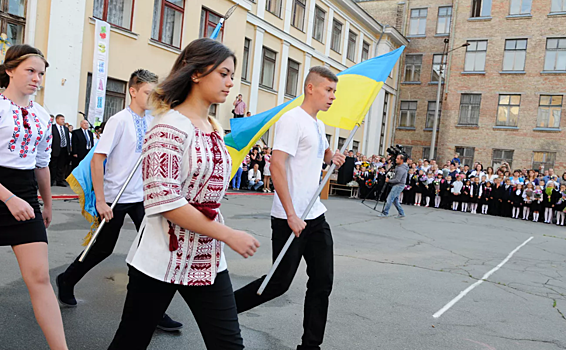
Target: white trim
345 42
246 4
360 48
288 14
310 21
117 30
306 67
156 43
31 20
359 13
256 68
283 70
336 137
260 11
329 31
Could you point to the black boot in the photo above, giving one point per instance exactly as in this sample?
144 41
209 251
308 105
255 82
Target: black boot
65 292
169 325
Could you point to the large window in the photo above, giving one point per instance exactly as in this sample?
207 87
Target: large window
430 115
475 56
116 12
13 20
466 155
115 96
426 152
365 50
438 67
208 22
168 22
413 65
508 110
515 55
558 6
408 114
469 109
418 22
501 156
549 110
543 159
341 141
555 59
351 52
336 36
299 14
292 78
520 7
318 31
444 20
481 8
246 59
273 6
268 68
408 150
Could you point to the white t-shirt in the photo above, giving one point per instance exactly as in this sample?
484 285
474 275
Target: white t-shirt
303 139
119 142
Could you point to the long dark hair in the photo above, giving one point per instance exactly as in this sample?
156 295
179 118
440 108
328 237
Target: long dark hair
201 56
14 57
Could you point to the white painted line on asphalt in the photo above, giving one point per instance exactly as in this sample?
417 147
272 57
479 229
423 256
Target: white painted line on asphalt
485 277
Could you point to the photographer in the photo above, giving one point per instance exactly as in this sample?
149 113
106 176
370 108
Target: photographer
397 183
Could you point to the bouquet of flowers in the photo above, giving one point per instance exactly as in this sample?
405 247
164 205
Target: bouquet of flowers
369 183
407 188
538 194
562 199
436 186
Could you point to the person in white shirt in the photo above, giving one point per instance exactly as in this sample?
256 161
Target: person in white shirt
299 151
254 178
25 150
120 146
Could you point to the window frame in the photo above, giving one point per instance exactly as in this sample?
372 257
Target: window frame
462 150
521 7
474 53
351 48
296 84
303 4
559 11
319 21
263 59
550 108
278 9
470 110
478 9
164 4
496 162
411 118
122 95
104 18
413 69
246 58
446 25
7 18
341 142
207 21
550 163
507 106
418 18
559 51
335 24
514 51
442 64
429 122
365 53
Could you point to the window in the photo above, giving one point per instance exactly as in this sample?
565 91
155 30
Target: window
555 54
408 114
168 22
268 68
319 16
549 109
292 78
418 22
430 115
508 110
466 155
115 100
475 56
274 6
213 109
365 51
351 52
438 67
12 20
408 150
116 12
341 141
515 54
328 138
336 36
520 7
469 109
299 14
355 146
208 22
558 6
426 152
444 20
246 59
501 156
545 159
481 8
384 122
413 65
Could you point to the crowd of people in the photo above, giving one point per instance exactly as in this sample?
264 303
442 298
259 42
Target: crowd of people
519 194
249 175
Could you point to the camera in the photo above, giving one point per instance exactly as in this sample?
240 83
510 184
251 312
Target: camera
395 151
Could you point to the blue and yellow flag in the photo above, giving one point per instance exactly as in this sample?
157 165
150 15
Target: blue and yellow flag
356 90
80 181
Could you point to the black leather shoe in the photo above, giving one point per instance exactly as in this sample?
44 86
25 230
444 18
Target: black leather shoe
65 293
169 325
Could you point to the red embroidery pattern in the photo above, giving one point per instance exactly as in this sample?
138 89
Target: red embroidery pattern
28 132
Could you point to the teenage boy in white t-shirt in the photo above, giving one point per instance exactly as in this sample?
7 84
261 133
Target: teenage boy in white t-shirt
298 154
120 146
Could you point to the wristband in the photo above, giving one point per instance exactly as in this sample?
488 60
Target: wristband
12 196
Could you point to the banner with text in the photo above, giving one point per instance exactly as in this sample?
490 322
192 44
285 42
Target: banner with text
99 73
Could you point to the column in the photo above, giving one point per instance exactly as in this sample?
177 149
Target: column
256 69
64 53
31 20
306 67
310 20
261 8
283 73
287 15
360 47
330 19
345 42
336 137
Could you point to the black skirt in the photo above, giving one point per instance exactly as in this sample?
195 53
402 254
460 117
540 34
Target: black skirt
23 184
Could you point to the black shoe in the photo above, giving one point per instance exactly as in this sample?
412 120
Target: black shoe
169 325
65 293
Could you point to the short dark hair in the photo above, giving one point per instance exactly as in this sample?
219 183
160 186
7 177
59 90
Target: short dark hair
141 76
320 71
59 116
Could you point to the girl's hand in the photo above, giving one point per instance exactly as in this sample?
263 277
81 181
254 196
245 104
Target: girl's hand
242 243
47 216
20 209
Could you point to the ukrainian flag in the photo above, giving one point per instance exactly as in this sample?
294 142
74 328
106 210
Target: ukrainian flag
356 90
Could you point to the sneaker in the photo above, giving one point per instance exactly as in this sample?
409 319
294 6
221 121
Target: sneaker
400 216
382 215
65 293
167 324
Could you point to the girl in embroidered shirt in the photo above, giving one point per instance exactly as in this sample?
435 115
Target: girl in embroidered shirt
186 170
25 150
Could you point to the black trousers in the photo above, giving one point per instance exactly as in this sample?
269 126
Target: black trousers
106 241
316 246
212 306
58 166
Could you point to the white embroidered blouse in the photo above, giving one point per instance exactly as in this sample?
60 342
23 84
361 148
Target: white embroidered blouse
25 135
182 165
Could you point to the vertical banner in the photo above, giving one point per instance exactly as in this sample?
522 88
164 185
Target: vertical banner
99 73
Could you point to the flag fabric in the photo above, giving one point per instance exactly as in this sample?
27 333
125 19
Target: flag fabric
80 181
216 31
356 90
